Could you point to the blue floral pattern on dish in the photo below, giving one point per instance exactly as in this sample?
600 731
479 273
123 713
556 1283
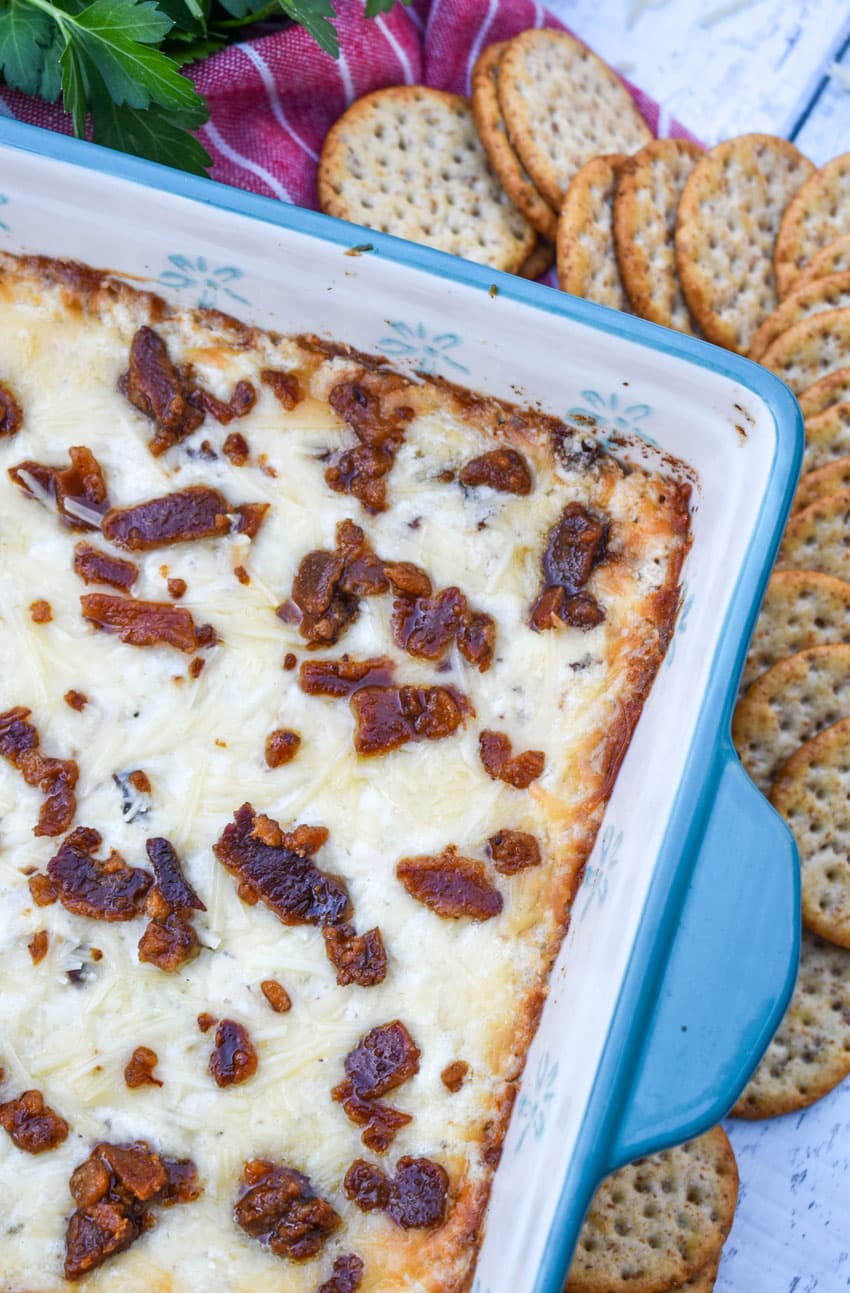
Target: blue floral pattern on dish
428 351
4 201
596 877
613 417
535 1098
211 281
686 603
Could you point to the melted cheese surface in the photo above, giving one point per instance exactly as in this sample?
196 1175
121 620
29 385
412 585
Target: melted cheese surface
465 990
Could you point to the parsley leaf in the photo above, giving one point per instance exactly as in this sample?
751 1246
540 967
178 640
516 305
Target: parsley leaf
313 16
28 61
374 7
153 132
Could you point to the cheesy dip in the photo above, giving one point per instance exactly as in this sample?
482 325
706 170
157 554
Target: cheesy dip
314 682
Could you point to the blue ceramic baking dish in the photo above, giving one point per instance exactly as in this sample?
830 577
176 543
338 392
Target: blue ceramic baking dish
683 946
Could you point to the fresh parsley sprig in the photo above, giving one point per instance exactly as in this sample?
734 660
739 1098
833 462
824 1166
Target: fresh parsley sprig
117 62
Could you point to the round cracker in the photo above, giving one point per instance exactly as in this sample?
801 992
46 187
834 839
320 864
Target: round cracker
645 205
810 349
540 260
834 258
829 479
726 224
801 609
810 1053
818 538
825 393
563 106
827 437
812 792
659 1221
819 213
703 1281
493 134
407 160
587 261
788 705
822 294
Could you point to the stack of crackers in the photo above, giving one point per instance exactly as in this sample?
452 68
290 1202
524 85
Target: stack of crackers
747 246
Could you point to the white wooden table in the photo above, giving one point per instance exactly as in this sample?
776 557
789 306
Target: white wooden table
724 67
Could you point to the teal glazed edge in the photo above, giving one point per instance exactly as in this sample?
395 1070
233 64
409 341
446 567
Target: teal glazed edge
711 748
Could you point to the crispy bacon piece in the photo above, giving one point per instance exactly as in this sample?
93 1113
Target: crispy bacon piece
346 1275
41 612
206 1021
513 851
340 678
277 868
518 770
407 579
241 402
197 512
388 717
501 469
363 570
115 1190
575 546
55 778
382 1060
328 585
285 387
97 567
415 1198
38 945
276 995
32 1125
281 1208
79 490
450 885
145 624
42 890
454 1075
379 426
170 880
169 943
236 448
380 1122
357 958
426 626
76 699
159 390
102 889
176 588
282 746
251 517
11 413
234 1059
476 639
139 1069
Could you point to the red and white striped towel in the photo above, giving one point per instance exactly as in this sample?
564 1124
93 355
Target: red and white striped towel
273 99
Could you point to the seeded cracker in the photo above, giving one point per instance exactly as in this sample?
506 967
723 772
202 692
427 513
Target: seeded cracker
587 262
829 479
493 134
659 1221
408 161
728 215
810 1053
819 214
648 191
821 294
788 705
541 259
811 349
563 106
812 792
833 259
827 437
801 609
814 538
826 392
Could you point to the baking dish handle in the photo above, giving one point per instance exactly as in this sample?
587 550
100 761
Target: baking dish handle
728 978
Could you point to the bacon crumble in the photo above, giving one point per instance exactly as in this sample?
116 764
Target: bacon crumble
382 1060
170 940
186 515
115 1190
32 1125
241 401
454 1075
285 387
176 588
346 1275
76 700
451 886
11 413
574 547
341 678
388 717
281 747
236 448
160 390
139 1069
513 851
415 1198
100 888
517 770
502 469
357 958
234 1059
38 945
55 778
144 624
97 567
370 406
280 1208
78 490
41 612
276 995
